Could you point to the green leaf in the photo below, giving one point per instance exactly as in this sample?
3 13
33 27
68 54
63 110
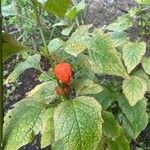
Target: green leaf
92 66
24 121
57 145
48 127
75 48
121 143
81 5
141 74
76 43
11 46
72 13
44 92
9 10
61 23
75 10
82 68
104 55
136 116
129 129
78 124
146 65
46 75
122 23
66 31
54 45
134 89
57 7
132 54
30 62
84 73
105 98
110 127
145 2
148 85
119 38
87 87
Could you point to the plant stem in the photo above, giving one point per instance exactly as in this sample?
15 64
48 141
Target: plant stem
42 34
64 96
23 17
141 7
39 25
1 84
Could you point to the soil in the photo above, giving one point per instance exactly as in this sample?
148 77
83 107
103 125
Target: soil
103 12
100 13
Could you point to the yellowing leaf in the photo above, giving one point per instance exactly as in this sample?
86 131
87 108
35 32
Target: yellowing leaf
132 54
47 127
122 23
146 65
78 124
75 48
134 89
86 87
26 120
77 42
104 55
43 92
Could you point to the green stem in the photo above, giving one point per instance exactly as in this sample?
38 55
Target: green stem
43 37
52 32
1 84
141 6
22 17
41 33
39 25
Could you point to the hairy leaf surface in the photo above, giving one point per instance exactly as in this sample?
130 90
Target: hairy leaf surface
76 43
86 87
44 92
134 89
105 56
136 117
78 124
146 65
54 45
110 127
122 23
26 120
132 54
